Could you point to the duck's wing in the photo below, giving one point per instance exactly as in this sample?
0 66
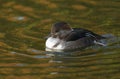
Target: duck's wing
78 33
75 35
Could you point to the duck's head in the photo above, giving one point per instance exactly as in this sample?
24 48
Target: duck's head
60 29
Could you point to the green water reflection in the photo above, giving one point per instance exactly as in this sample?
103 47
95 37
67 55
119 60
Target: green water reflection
24 24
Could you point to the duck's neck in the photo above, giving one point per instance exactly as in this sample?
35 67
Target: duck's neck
62 34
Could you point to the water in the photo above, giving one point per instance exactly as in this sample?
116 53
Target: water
23 28
93 62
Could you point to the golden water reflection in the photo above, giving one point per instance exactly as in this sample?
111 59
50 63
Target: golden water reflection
24 24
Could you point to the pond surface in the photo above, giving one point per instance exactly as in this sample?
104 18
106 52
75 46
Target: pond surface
25 23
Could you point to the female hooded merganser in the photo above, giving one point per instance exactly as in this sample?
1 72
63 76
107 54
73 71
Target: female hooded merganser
63 38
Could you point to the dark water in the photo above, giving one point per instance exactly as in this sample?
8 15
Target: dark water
24 24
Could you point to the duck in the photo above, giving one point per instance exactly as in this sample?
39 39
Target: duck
64 38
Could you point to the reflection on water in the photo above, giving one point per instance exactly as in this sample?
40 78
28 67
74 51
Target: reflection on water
92 62
39 56
88 63
21 65
52 73
23 27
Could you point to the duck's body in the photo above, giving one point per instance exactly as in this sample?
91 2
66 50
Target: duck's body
63 37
